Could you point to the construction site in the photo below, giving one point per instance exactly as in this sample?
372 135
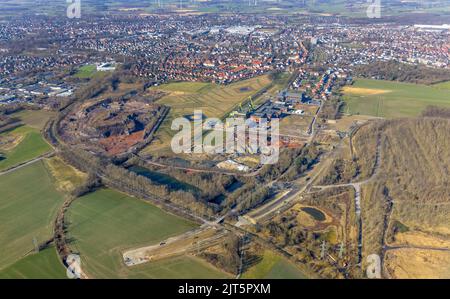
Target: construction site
112 126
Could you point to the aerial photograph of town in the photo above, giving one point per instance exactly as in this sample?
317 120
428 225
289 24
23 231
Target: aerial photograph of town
225 139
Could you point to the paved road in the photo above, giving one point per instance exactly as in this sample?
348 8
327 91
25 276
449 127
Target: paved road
27 163
272 208
275 204
388 247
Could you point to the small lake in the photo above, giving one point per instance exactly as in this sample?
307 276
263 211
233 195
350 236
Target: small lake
234 186
315 213
218 199
163 179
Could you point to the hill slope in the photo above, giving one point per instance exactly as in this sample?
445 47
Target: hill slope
406 206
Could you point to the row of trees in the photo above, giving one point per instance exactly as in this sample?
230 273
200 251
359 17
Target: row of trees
132 183
247 197
16 107
210 185
228 260
396 71
292 163
272 171
332 107
8 123
433 111
308 156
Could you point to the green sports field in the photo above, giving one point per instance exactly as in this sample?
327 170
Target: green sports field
28 205
392 99
273 266
104 223
31 145
86 71
42 265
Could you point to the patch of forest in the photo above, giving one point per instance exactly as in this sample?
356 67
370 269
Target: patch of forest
396 71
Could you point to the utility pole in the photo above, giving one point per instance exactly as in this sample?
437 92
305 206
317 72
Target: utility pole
341 250
323 249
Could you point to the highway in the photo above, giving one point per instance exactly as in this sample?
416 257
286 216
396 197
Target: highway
272 208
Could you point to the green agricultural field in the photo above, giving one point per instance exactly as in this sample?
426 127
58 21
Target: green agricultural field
391 99
28 206
212 99
42 265
273 266
106 222
31 145
443 85
177 268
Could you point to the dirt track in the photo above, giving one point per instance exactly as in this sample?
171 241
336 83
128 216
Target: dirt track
197 239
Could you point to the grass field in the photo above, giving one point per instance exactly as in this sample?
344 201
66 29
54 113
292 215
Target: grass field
212 99
86 71
295 125
185 87
443 85
177 268
34 118
413 170
31 146
42 265
28 205
392 99
410 263
273 266
106 222
66 177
